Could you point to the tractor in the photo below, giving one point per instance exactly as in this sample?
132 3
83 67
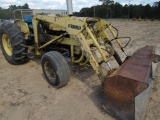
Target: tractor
84 40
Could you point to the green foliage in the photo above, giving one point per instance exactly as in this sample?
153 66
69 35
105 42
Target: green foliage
116 10
107 2
108 9
8 13
14 7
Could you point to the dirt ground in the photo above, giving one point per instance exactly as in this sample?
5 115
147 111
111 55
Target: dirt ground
25 94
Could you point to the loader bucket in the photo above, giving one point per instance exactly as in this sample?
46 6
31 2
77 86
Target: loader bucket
127 88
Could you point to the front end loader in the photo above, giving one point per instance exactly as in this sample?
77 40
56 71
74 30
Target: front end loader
85 41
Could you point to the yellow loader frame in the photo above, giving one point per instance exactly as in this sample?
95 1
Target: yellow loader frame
81 37
89 40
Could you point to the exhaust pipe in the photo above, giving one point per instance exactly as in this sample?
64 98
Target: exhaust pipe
69 7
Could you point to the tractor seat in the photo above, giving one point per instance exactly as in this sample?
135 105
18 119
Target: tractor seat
28 19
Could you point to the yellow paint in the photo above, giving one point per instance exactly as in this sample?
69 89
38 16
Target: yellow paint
24 27
7 45
80 35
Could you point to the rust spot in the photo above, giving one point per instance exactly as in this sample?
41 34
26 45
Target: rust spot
124 84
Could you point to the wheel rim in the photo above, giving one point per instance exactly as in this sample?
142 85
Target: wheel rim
50 72
7 44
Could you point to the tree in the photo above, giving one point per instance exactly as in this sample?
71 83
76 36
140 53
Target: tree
120 11
25 6
156 9
84 12
14 7
156 4
147 11
8 13
107 3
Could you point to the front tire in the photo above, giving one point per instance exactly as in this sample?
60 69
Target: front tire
12 43
55 69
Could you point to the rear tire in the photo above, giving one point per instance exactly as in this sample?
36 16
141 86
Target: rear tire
55 69
12 43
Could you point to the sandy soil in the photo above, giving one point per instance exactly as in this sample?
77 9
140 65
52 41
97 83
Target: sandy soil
25 95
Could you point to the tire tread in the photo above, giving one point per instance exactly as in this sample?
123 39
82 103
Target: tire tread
61 65
16 38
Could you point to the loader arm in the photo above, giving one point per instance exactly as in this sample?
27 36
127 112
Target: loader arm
87 32
121 85
85 40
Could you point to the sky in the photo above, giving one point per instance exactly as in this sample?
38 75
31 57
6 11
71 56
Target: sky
61 4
